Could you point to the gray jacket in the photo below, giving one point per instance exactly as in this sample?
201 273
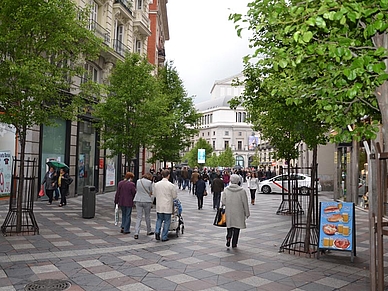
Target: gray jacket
236 206
144 189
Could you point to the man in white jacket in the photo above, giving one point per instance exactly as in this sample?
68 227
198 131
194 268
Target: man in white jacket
165 193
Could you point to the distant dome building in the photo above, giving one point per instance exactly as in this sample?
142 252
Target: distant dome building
224 127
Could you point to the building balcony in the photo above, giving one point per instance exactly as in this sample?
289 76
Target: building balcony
142 23
120 48
100 31
125 4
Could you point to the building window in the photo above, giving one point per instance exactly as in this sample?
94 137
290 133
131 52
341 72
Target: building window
138 46
90 74
226 144
239 133
139 4
208 133
226 133
214 133
211 118
244 116
203 134
239 145
214 145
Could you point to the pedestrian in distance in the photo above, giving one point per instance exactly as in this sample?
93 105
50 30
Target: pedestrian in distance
143 201
236 205
185 178
64 181
217 187
126 191
200 188
226 178
193 180
50 183
165 193
253 184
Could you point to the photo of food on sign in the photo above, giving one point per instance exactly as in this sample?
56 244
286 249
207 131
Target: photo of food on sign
335 225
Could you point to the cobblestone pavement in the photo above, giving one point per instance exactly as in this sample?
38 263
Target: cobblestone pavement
92 254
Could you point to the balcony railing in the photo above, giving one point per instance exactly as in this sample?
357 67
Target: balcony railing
120 48
100 31
127 5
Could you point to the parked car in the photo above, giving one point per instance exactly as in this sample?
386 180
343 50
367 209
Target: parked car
280 182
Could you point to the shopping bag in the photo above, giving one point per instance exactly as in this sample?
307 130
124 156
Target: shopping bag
41 192
220 219
116 214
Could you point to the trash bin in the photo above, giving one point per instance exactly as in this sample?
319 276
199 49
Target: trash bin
88 202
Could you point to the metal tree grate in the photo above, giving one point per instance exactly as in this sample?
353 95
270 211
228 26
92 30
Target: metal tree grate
20 218
48 285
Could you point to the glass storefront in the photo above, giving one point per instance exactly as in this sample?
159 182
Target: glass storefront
86 155
53 144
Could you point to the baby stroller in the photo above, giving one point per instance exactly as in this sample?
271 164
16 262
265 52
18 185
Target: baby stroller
177 223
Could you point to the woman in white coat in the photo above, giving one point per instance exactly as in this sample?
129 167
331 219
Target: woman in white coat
253 184
236 205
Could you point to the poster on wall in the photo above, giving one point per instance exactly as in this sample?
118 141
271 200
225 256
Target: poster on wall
201 156
337 227
82 165
252 142
110 173
5 173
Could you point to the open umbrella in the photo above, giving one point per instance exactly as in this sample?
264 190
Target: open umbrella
57 165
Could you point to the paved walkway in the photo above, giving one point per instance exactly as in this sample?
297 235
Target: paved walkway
92 254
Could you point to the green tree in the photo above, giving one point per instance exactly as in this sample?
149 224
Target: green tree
226 158
192 155
128 117
213 161
43 45
333 53
179 118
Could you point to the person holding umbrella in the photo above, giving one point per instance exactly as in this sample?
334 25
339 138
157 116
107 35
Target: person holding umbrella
50 181
64 181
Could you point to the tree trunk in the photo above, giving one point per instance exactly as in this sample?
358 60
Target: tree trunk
312 199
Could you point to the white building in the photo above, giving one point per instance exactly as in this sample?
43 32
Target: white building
224 127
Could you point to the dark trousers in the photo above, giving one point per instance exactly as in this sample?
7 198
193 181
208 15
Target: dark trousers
233 234
56 195
253 193
63 195
216 200
200 201
50 194
194 188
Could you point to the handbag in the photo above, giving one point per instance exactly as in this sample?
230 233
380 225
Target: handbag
116 214
220 219
41 192
205 193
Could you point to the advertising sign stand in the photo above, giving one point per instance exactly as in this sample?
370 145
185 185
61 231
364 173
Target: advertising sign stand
337 227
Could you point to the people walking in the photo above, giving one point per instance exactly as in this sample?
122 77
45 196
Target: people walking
126 191
253 184
193 180
50 183
200 188
217 187
143 201
226 178
185 178
64 181
236 205
165 193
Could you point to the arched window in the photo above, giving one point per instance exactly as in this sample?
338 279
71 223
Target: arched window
240 161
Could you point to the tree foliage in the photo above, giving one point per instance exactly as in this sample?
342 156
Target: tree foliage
226 158
192 155
179 118
43 45
327 56
129 115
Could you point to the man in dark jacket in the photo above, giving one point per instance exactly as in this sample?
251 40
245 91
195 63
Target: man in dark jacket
217 187
200 188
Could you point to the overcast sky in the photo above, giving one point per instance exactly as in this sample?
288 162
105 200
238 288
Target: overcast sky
204 44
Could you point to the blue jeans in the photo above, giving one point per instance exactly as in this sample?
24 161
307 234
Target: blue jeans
186 183
126 212
166 217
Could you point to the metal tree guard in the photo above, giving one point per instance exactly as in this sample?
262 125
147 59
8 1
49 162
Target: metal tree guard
20 218
303 235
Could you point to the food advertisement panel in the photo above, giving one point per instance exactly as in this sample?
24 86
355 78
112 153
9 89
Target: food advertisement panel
337 226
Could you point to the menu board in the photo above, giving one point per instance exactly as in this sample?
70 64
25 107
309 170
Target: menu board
337 226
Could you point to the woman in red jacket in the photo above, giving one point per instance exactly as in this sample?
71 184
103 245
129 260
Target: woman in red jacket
226 178
125 193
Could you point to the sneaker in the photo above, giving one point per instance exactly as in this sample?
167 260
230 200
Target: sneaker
48 203
136 236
